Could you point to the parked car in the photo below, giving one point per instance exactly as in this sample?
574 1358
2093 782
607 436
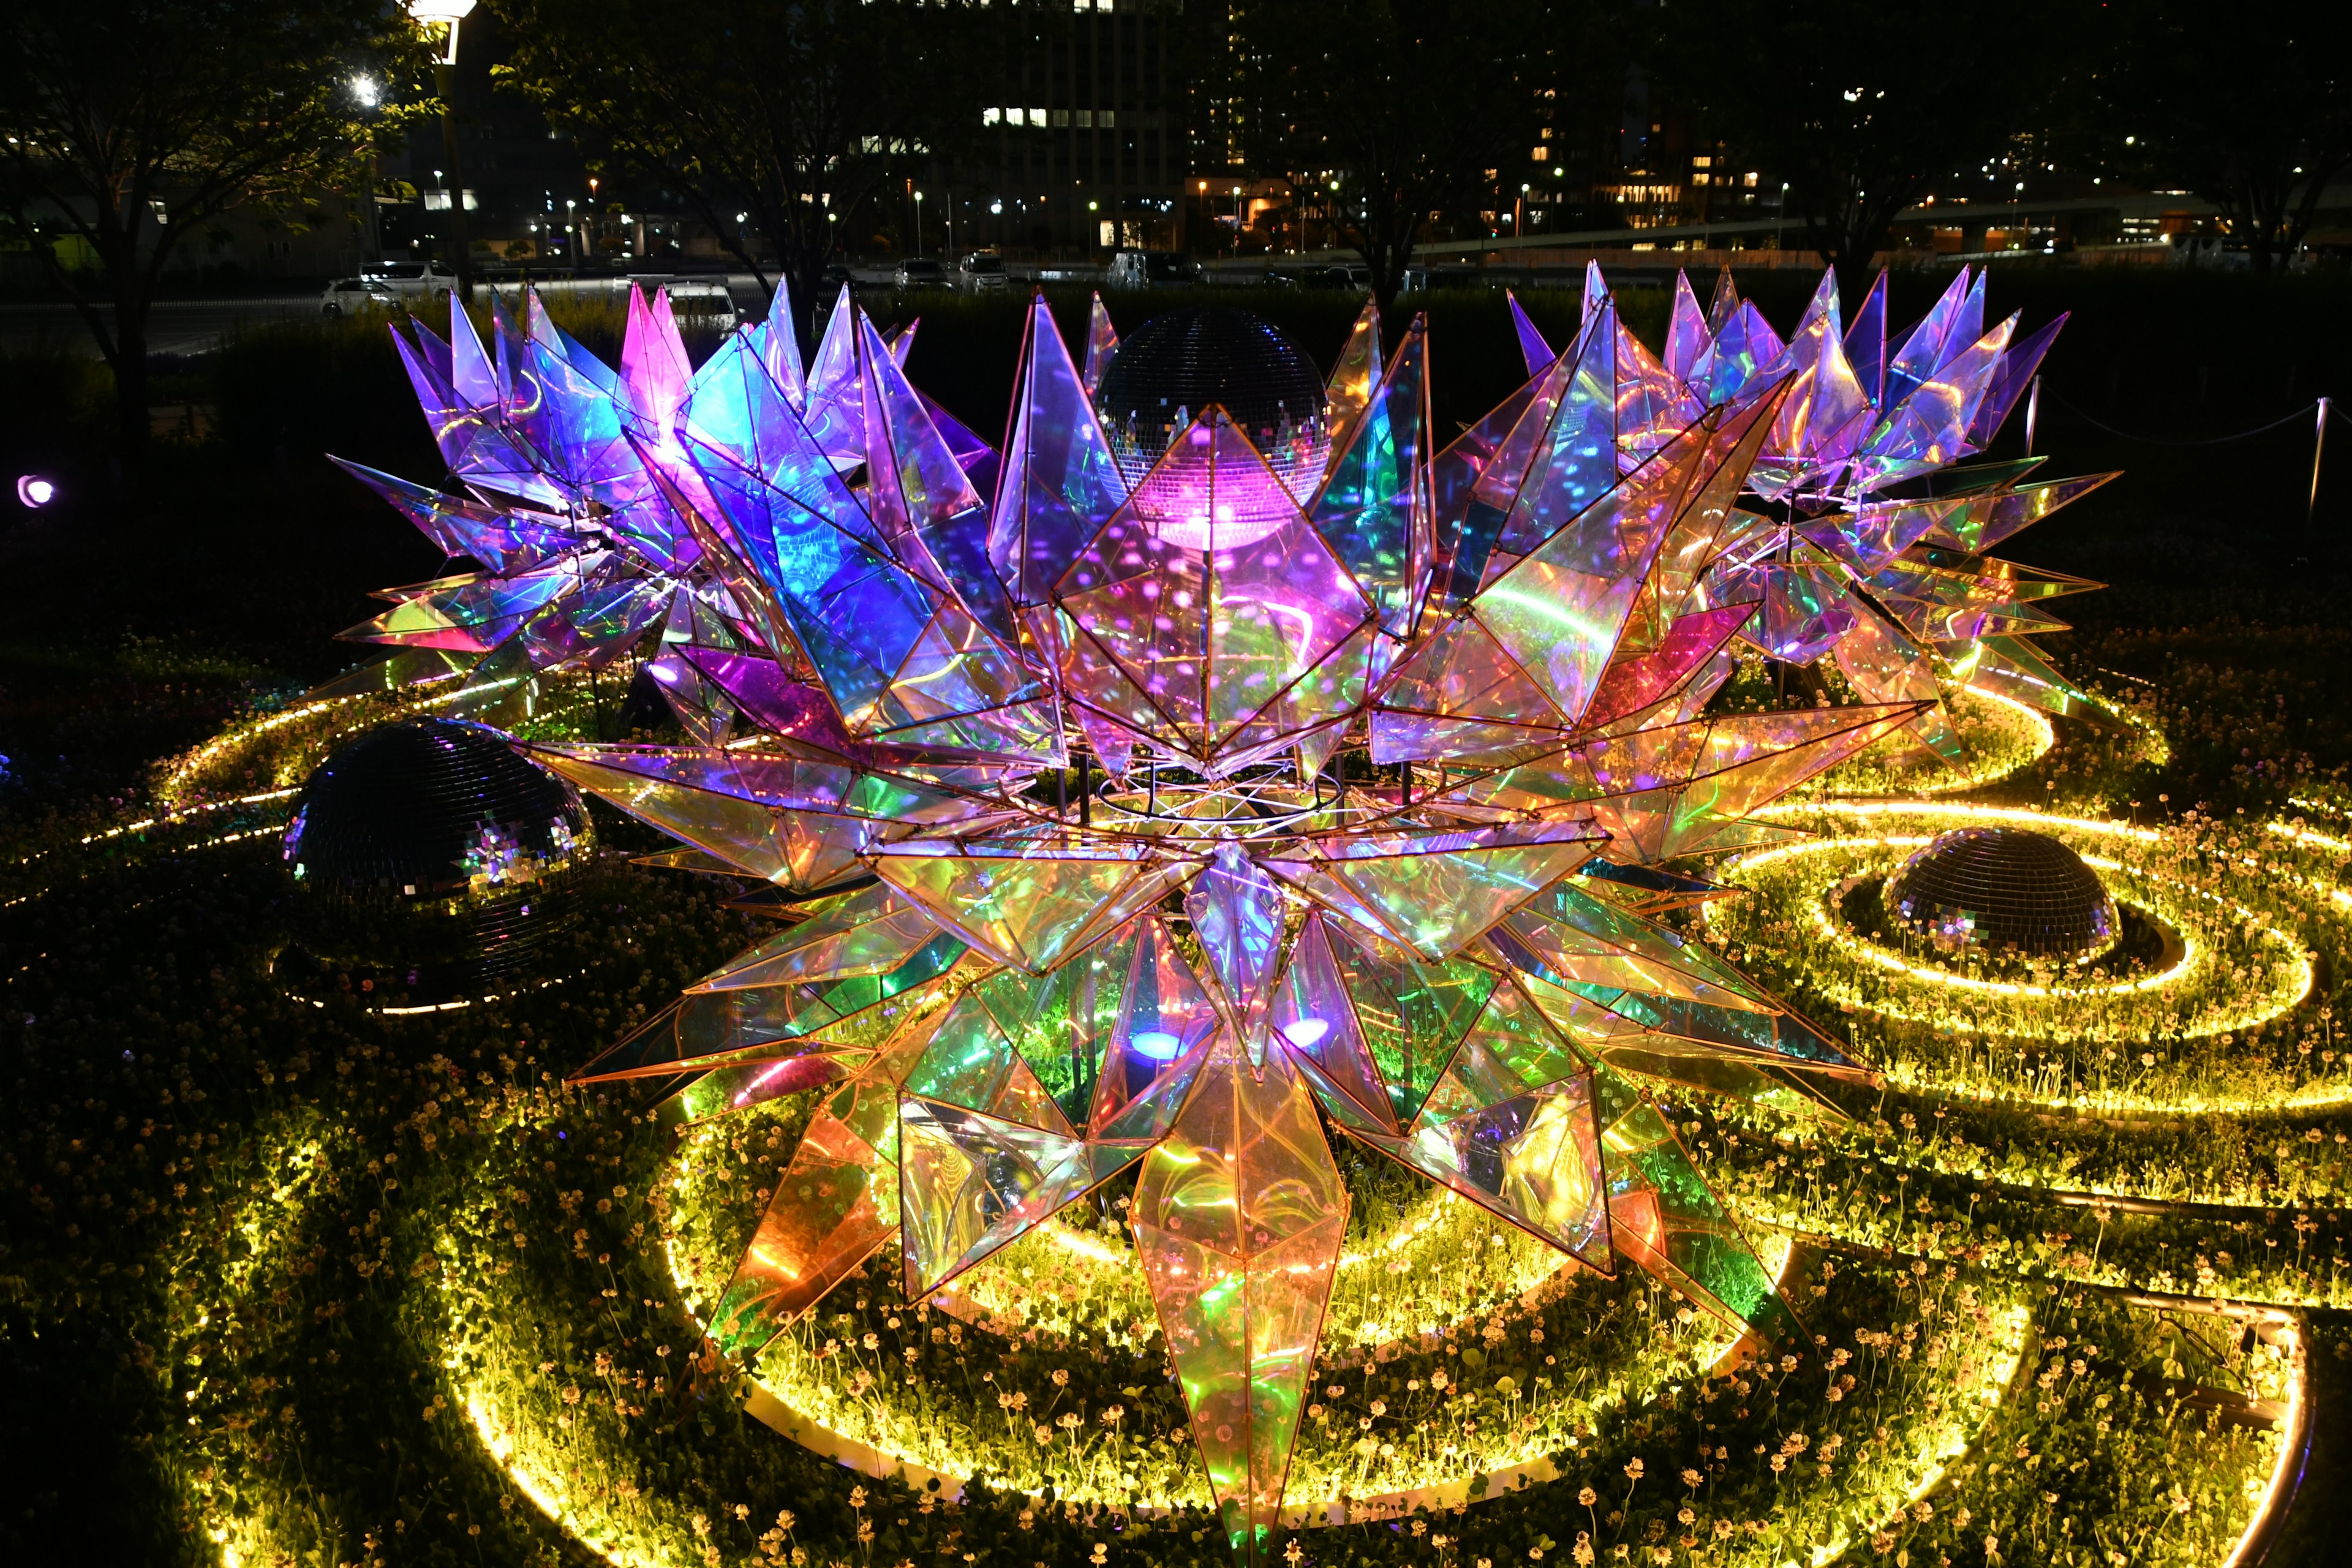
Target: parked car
411 280
920 273
982 272
703 305
345 295
1150 268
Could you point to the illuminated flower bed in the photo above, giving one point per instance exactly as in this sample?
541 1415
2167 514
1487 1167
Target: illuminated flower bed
2178 1034
529 1253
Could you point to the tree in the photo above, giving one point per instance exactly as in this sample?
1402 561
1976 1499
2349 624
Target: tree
1862 107
797 114
131 125
1398 108
2250 108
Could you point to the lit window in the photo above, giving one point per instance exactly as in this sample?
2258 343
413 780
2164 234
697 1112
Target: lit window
1700 178
990 116
1105 118
1037 117
1061 117
1749 178
1086 118
1541 155
1702 162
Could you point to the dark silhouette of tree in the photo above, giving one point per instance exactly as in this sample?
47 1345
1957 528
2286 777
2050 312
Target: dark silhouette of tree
1414 107
2250 106
801 115
131 124
1862 107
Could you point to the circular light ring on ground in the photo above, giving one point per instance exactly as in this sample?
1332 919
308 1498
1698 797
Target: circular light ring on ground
848 1403
1937 995
2002 735
1825 923
2193 999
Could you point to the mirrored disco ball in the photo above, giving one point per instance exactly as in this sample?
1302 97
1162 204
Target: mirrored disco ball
1173 366
2004 893
431 842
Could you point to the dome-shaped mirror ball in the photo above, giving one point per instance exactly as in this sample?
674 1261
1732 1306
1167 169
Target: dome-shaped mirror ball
2004 893
1174 365
427 857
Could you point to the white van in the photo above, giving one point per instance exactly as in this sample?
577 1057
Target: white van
1150 268
411 280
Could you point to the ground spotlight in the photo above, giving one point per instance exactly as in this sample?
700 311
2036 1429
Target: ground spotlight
35 491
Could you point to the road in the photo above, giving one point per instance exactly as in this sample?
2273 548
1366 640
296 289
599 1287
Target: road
174 326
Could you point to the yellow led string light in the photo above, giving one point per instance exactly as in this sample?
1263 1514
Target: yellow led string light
2277 1492
2195 912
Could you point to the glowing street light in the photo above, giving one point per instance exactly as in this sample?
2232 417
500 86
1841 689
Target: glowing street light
431 14
447 14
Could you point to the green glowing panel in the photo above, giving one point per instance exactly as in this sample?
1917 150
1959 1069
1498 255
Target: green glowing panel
969 1183
870 932
1023 903
1374 507
1667 1218
1412 1014
968 1061
1510 1126
1157 1041
1314 1017
1059 1021
1436 891
728 1028
1586 937
1561 611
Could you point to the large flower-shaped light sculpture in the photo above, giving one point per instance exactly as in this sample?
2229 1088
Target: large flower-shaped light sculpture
1156 800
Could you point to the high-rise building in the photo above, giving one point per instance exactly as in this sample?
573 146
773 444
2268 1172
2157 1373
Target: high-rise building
1088 146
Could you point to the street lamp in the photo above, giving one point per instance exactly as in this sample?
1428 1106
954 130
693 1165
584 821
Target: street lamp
369 95
919 223
428 15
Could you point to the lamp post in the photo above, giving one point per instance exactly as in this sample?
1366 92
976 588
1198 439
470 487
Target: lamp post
428 15
369 95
